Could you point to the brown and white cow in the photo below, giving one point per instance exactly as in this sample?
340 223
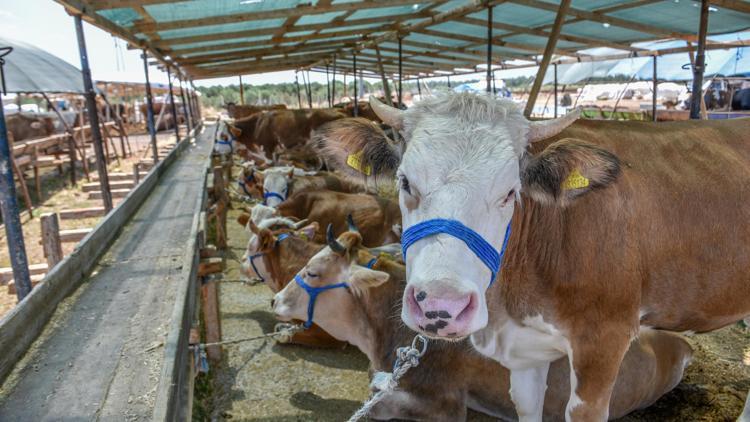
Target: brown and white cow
289 128
287 181
619 225
27 126
379 219
451 377
238 111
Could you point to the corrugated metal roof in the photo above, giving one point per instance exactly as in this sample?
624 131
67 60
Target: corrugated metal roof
213 38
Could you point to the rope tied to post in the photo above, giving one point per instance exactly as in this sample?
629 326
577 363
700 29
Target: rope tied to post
383 382
283 330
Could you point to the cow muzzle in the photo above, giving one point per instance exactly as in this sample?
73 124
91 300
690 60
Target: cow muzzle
440 311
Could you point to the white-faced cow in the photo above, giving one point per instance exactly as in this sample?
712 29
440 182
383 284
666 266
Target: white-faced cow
606 227
450 377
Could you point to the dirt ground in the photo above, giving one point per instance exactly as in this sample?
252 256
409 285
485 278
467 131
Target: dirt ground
265 381
58 194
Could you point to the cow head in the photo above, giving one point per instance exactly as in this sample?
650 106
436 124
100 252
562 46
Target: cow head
276 183
334 264
463 158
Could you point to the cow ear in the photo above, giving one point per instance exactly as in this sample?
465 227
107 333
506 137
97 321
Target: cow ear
236 132
308 232
267 239
243 219
362 279
358 148
566 170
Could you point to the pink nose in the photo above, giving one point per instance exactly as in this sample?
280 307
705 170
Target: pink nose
448 315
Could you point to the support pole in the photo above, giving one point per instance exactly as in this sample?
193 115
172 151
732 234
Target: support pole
555 88
11 219
150 110
449 80
386 87
549 50
296 84
242 92
700 62
101 163
654 80
419 89
489 49
356 96
328 88
333 86
174 107
400 71
51 244
185 109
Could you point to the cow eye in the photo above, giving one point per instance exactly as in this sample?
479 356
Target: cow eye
509 197
405 186
309 274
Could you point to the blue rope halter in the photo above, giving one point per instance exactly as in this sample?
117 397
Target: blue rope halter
481 248
252 258
242 184
371 263
267 195
313 292
227 142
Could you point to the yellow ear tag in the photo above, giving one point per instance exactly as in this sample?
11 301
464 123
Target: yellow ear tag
575 180
355 161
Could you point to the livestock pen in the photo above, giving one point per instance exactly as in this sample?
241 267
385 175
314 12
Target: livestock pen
259 271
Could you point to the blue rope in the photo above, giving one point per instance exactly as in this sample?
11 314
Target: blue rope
248 179
252 258
371 263
481 248
267 195
313 292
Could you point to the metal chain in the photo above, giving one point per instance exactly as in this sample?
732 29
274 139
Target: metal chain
406 358
283 330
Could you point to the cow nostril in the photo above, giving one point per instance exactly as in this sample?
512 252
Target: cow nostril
421 296
273 302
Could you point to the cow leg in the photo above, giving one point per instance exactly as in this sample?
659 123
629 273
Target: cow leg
527 388
745 416
595 360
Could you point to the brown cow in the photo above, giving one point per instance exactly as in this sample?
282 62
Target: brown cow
281 127
166 122
379 219
621 225
26 126
451 377
239 111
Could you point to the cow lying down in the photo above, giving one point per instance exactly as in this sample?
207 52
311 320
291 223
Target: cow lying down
451 376
275 184
278 248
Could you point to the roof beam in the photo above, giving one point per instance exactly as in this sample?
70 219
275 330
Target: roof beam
604 18
260 52
495 41
736 5
302 10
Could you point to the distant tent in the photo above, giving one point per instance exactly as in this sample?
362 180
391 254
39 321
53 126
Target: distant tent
30 69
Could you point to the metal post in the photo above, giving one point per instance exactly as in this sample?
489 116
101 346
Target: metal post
296 83
653 90
333 86
150 110
356 96
242 92
174 107
328 87
184 105
549 50
555 88
101 164
9 206
700 61
489 49
419 89
400 71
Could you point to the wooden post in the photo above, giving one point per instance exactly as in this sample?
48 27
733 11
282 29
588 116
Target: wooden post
173 107
354 78
333 86
555 88
654 81
400 71
489 49
9 207
212 318
51 239
221 200
700 64
549 50
328 88
296 84
150 111
242 92
386 88
84 158
136 174
37 182
101 163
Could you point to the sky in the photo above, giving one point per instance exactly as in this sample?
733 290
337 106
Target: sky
45 24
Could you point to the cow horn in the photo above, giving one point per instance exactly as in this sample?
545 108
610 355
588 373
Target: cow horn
298 225
548 128
391 116
332 242
350 223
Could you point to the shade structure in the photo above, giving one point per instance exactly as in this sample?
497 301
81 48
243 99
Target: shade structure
30 69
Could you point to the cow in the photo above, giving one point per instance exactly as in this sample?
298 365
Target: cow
236 111
450 377
167 120
281 182
618 225
27 126
378 218
289 128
